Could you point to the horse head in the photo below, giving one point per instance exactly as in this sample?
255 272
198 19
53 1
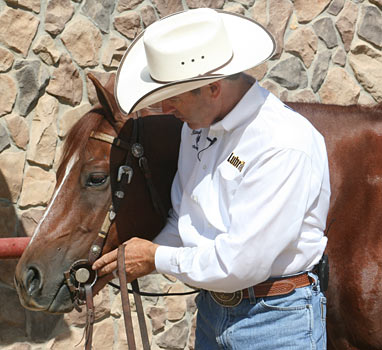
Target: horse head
95 152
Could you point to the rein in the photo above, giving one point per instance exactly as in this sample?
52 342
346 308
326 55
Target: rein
81 278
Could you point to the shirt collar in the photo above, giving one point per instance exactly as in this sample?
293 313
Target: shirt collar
247 108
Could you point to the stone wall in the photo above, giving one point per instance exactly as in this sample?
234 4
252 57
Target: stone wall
328 52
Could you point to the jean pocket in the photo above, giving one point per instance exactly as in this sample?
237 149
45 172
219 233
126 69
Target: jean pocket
284 303
290 319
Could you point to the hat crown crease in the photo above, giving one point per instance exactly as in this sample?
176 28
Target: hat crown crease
183 47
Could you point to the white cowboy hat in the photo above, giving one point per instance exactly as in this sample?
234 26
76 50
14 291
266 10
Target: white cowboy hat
188 50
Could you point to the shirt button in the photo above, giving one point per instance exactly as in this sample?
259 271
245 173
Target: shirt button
204 167
194 198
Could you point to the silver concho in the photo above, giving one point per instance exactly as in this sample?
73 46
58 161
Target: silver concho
82 275
95 249
137 150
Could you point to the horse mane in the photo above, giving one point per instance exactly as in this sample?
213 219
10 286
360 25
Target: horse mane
78 136
370 112
376 108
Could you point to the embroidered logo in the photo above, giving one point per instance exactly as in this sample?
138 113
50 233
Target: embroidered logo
236 162
197 133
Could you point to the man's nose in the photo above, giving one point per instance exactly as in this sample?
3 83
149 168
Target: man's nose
167 107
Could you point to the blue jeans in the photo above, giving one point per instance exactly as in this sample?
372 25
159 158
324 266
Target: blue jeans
296 321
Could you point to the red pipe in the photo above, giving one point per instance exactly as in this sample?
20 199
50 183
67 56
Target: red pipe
13 248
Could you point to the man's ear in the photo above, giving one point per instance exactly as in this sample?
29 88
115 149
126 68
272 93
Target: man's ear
215 88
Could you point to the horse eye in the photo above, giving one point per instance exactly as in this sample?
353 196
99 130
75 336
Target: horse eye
96 179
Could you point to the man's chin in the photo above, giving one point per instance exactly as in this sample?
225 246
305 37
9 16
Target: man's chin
193 126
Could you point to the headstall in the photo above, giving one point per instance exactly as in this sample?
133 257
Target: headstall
80 278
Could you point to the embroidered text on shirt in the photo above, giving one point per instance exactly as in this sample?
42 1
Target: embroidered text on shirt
236 162
197 133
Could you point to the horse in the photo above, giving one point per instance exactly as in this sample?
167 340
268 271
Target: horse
82 197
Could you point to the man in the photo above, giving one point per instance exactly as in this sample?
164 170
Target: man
251 194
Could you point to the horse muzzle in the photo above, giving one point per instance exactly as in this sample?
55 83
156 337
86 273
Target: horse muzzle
35 295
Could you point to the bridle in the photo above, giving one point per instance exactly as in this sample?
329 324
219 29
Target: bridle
80 278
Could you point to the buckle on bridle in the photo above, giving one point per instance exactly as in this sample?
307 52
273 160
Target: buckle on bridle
125 170
227 299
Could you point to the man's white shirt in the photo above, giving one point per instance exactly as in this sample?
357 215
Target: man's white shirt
250 198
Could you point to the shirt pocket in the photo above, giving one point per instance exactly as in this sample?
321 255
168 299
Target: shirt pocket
229 181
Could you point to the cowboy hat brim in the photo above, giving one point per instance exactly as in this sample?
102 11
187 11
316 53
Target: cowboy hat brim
135 89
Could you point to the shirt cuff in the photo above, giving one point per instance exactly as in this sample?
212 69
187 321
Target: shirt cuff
166 260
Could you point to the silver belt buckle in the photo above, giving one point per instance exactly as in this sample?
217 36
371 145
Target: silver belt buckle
227 299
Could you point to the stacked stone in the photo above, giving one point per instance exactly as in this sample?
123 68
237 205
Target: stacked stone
328 51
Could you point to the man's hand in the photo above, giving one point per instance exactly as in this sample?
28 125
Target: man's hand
139 259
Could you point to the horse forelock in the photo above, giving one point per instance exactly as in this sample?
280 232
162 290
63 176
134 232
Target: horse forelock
78 137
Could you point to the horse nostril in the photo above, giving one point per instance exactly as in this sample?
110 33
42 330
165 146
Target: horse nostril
32 281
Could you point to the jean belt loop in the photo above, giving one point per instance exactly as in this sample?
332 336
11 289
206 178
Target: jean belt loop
316 282
252 296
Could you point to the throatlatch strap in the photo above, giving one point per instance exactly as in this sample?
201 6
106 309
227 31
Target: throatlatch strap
125 298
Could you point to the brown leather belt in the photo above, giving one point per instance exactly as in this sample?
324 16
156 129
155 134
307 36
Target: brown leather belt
269 288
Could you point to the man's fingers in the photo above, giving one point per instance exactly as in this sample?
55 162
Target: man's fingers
105 261
106 269
139 259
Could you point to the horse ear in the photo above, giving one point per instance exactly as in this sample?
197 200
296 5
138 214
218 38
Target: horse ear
105 97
